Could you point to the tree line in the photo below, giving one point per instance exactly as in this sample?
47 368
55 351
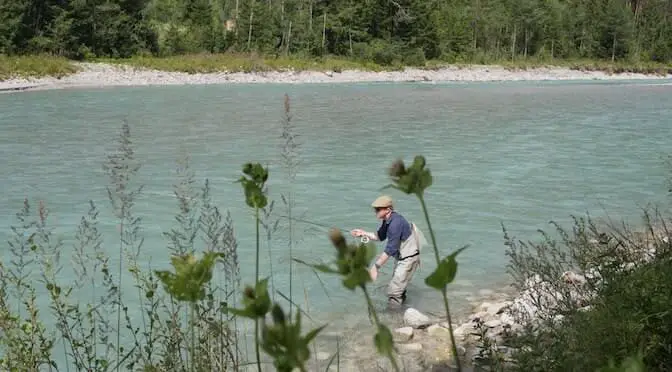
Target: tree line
379 30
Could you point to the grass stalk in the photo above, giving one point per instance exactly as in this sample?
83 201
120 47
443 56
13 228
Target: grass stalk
193 336
256 276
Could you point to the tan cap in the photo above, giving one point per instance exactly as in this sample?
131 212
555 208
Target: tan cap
383 201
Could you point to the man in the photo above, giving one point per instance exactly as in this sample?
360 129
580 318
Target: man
403 244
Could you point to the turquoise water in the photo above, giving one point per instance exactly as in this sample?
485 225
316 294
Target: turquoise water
521 154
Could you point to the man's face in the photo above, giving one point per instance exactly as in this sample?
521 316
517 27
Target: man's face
381 213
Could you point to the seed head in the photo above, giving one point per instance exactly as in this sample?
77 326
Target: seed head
397 169
249 293
337 239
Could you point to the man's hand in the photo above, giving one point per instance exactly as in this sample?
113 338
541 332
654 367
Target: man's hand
374 273
357 233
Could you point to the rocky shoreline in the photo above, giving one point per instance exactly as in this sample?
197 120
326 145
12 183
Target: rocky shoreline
97 75
424 341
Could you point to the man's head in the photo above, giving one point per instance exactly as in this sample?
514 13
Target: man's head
383 207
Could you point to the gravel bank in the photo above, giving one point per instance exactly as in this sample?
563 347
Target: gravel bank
105 75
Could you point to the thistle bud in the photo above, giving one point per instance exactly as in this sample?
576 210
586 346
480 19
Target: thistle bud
397 169
249 293
278 315
337 239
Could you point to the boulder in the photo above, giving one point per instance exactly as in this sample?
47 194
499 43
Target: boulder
415 318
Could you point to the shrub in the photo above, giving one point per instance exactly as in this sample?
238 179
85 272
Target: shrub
616 307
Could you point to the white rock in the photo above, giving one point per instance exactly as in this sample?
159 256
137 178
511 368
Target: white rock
571 277
493 323
415 319
403 334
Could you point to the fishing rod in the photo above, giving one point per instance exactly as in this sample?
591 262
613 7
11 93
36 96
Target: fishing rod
363 239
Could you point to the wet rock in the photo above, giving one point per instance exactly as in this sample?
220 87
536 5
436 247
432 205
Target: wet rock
415 318
403 334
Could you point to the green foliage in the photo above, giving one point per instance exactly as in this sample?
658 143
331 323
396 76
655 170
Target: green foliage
256 300
352 261
99 333
629 290
412 180
446 271
190 277
387 33
629 364
255 176
34 66
284 343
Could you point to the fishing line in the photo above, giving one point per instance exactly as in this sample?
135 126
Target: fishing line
363 239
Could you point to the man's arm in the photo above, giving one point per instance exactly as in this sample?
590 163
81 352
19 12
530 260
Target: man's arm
379 235
382 259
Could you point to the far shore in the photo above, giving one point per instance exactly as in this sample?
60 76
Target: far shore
98 75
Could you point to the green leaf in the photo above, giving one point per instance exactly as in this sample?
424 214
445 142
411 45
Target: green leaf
312 334
358 278
445 272
384 341
245 313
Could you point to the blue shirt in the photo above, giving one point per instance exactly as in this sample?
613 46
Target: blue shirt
396 229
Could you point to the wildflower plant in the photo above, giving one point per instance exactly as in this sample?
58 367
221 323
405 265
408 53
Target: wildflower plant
415 179
352 264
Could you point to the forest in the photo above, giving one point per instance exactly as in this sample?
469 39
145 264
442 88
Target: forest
380 31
